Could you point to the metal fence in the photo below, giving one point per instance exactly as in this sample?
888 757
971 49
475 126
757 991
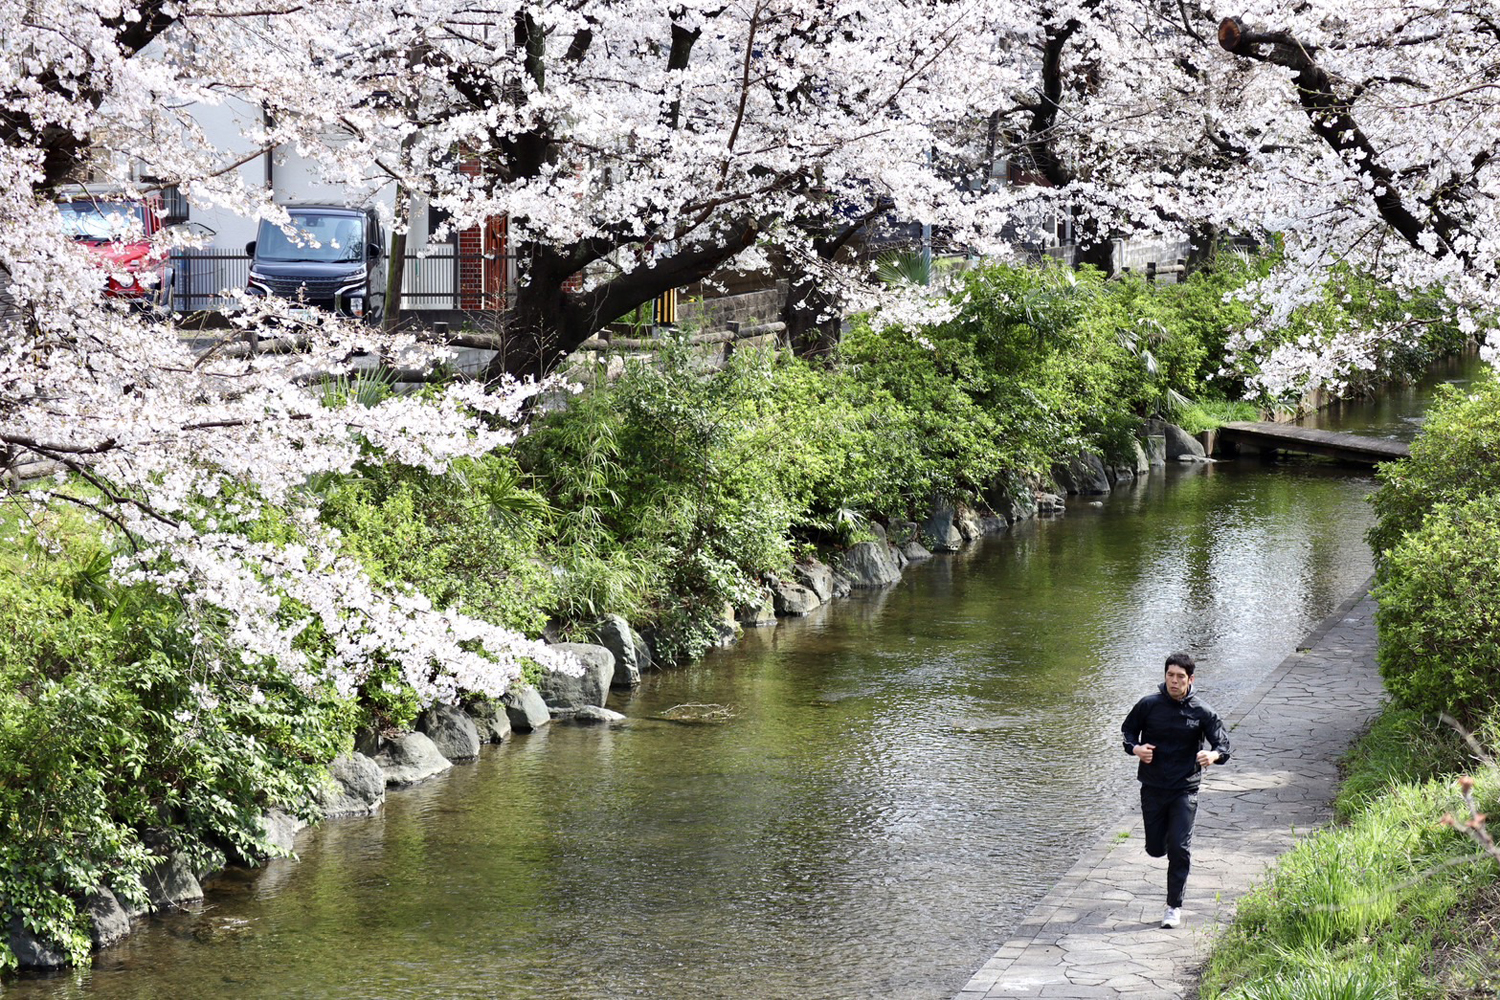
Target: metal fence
200 277
432 280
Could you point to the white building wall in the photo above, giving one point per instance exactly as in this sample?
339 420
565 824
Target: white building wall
290 176
226 126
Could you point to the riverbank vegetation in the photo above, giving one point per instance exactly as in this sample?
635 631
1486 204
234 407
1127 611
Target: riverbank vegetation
137 722
1397 899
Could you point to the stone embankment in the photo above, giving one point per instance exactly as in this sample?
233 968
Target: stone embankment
446 735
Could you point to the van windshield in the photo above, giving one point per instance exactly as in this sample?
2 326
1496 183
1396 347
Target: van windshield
102 220
315 236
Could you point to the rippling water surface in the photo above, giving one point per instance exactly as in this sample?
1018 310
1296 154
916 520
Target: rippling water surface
903 775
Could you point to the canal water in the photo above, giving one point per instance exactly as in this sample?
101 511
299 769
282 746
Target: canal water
879 794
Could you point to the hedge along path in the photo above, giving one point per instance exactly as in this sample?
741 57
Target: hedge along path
1096 934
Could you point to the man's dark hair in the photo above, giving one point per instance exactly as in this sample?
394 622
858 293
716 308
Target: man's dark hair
1180 660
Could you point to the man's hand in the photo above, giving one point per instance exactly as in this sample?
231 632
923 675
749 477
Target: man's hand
1207 757
1145 751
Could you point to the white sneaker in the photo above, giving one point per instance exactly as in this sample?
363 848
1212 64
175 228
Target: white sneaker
1172 917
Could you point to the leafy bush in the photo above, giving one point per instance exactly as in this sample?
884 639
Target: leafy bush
1034 366
1439 612
1452 461
672 503
1438 522
124 719
465 539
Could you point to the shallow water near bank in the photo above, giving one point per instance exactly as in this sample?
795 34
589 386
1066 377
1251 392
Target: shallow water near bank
900 776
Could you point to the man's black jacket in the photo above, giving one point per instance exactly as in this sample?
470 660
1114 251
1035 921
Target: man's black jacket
1178 730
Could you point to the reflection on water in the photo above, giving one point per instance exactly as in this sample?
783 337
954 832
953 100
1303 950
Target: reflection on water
904 773
1397 414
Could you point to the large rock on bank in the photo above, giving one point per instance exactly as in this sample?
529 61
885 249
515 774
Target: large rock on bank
30 951
451 731
570 692
969 525
793 599
817 577
491 720
411 759
1180 445
758 613
108 922
172 883
940 531
630 651
870 564
355 787
1082 474
526 708
279 828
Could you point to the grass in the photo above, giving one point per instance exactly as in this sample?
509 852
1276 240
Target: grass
1206 415
1358 911
1399 746
1356 982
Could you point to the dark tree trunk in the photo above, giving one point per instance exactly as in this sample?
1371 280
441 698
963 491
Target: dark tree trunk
1097 250
813 315
533 330
548 320
1203 246
812 318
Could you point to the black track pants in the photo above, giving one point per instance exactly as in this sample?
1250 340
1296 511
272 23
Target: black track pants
1168 815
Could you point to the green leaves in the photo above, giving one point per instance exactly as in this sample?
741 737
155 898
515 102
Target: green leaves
1439 613
465 539
1436 539
115 724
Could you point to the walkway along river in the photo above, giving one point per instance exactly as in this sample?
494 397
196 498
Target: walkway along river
903 776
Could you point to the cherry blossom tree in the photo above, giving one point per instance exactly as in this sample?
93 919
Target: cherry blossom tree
1363 134
180 447
638 147
635 147
1376 140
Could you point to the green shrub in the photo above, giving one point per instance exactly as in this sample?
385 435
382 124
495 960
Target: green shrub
1037 364
1455 459
672 500
466 538
124 719
948 442
1439 612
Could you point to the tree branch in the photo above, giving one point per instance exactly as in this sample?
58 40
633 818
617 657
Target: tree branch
1331 118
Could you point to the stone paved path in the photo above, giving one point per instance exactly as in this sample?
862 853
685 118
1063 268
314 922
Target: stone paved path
1096 935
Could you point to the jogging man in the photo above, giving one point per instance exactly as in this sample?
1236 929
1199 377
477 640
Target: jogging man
1168 731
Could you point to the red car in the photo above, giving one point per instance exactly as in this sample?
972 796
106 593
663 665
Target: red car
119 231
